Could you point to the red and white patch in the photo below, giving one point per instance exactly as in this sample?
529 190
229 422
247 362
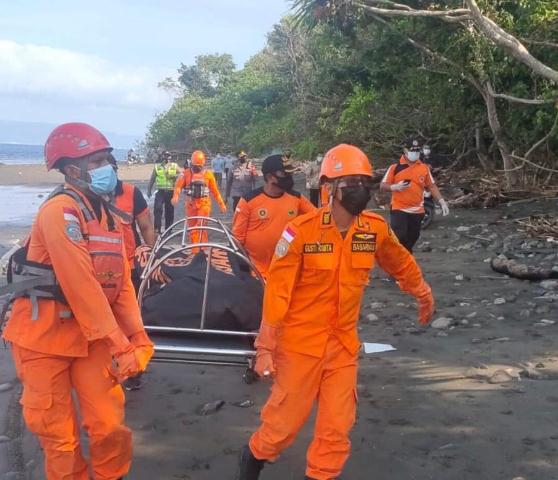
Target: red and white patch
71 215
288 234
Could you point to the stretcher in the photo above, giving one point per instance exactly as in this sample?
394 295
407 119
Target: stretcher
199 345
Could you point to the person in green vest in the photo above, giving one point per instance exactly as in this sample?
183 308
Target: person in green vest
163 177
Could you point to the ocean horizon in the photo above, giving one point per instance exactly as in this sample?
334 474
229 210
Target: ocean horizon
26 154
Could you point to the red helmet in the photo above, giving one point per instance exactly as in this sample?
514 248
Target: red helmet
73 140
345 160
198 158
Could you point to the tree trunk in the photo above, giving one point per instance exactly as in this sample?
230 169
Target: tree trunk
496 127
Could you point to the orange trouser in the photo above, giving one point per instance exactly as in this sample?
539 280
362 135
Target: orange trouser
192 210
300 382
50 413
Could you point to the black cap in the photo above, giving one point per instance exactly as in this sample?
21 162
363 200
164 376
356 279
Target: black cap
413 143
277 163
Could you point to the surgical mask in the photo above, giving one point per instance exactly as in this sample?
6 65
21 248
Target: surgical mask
355 199
285 183
103 180
413 156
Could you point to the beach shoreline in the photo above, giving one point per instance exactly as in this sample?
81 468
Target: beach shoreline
36 175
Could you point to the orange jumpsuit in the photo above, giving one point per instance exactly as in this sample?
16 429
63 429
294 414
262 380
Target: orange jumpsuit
312 296
62 348
198 206
260 219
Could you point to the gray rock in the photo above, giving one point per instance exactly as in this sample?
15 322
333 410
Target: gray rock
4 387
4 439
532 373
376 305
462 229
500 376
211 407
372 317
549 284
460 277
525 313
499 301
442 323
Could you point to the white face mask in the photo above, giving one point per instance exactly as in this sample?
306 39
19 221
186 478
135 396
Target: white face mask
413 156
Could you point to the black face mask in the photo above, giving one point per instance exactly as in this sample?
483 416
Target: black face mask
196 169
355 199
285 183
242 160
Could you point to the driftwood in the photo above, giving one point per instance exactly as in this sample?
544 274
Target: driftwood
513 268
545 225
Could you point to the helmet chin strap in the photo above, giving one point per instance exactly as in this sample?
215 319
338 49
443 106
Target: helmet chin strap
84 187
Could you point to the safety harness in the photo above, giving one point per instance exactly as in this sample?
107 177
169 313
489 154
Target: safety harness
197 187
36 281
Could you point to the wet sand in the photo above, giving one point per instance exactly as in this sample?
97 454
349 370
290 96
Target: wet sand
475 400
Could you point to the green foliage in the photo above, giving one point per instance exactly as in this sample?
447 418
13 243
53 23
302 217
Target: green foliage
332 73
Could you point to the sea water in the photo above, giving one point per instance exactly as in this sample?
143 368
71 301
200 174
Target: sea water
15 153
19 204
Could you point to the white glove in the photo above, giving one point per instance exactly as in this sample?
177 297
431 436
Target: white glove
399 186
445 207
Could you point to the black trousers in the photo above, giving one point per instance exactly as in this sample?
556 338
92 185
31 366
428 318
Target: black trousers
406 227
163 199
315 197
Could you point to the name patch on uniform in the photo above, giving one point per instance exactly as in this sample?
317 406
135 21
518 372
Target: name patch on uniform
318 248
363 242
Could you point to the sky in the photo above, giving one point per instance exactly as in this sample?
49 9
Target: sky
100 61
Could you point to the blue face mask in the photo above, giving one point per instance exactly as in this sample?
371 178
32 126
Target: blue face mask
103 180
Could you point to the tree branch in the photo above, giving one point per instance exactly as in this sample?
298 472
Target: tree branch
542 43
528 101
500 37
455 15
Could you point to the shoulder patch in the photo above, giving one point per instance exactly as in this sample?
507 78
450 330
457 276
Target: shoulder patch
73 231
281 248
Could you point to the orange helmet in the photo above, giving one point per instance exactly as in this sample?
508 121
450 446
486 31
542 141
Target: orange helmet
198 158
345 160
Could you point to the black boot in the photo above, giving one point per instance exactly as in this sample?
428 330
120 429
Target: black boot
249 467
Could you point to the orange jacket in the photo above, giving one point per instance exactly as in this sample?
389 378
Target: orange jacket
260 219
59 237
186 179
410 200
317 277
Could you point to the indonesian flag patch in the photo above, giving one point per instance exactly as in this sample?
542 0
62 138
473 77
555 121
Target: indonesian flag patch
288 234
71 215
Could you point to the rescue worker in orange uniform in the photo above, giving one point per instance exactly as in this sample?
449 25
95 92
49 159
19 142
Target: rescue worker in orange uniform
308 342
407 181
262 215
129 199
198 182
75 326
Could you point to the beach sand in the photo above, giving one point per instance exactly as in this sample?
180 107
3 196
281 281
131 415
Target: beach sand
37 175
449 404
